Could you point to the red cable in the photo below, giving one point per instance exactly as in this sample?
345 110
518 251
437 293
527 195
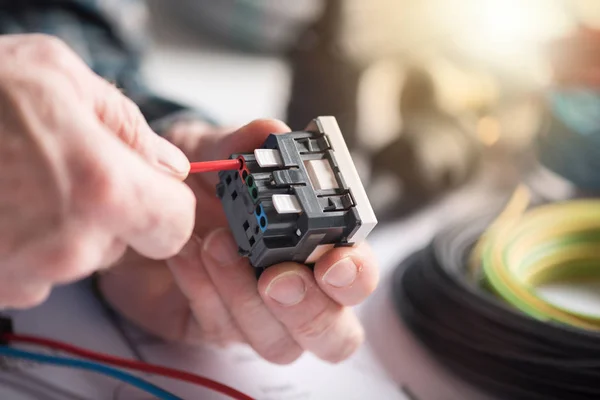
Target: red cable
129 364
211 166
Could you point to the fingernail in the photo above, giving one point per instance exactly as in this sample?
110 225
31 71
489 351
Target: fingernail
341 274
287 289
192 248
221 247
171 158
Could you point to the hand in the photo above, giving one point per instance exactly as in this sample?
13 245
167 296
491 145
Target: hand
82 176
209 293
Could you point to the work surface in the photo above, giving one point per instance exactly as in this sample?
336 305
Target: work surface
389 365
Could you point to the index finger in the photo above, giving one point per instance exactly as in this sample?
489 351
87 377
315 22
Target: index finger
148 209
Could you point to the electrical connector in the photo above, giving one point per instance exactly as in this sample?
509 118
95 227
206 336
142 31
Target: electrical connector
6 327
296 197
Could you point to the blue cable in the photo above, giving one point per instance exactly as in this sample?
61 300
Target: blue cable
91 366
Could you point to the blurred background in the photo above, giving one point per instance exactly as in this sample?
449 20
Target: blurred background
431 95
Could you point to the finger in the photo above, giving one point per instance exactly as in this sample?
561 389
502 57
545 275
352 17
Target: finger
72 253
145 208
318 324
123 117
21 294
113 254
235 281
214 322
145 292
348 274
209 211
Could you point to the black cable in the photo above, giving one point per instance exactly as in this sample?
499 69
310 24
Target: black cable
484 340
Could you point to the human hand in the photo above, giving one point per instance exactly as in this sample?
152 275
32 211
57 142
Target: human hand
208 293
82 176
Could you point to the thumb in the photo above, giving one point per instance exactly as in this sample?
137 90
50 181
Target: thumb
123 117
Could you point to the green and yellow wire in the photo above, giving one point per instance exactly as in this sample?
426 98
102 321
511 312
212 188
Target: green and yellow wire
525 248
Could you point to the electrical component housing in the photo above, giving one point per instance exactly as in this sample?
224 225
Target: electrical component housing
296 197
6 327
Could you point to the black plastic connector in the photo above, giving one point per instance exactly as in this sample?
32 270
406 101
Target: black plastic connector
6 327
296 197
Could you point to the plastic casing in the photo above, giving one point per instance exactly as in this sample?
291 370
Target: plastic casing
330 217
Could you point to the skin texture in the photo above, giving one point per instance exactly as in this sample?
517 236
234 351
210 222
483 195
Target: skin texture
207 293
82 176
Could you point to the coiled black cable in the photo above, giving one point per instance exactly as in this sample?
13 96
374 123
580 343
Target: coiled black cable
481 338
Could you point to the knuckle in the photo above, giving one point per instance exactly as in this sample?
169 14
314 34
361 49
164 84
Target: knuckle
152 223
129 122
283 350
248 303
49 48
102 187
122 116
319 326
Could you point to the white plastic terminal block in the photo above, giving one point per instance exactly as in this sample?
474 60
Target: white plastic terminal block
329 126
286 204
321 175
267 158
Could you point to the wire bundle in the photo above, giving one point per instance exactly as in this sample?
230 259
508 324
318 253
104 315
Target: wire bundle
507 344
89 366
93 361
553 242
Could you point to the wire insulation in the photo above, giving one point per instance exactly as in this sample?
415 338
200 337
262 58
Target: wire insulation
482 338
129 364
214 166
547 243
90 366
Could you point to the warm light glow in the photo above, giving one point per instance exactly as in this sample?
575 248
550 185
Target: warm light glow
509 23
507 32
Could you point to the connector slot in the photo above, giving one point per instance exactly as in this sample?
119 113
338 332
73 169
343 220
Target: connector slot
261 217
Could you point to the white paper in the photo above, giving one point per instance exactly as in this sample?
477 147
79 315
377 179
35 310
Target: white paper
391 360
73 315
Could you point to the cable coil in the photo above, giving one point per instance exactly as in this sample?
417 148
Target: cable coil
486 323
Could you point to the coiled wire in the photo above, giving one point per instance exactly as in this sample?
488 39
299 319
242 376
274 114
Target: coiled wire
453 311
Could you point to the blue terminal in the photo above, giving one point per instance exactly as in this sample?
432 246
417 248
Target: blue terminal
261 217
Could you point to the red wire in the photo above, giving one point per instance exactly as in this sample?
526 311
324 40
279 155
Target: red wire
211 166
129 364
